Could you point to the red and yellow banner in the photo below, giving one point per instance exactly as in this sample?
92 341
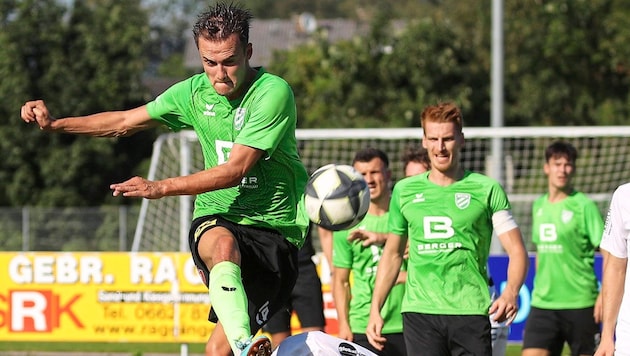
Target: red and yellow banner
135 297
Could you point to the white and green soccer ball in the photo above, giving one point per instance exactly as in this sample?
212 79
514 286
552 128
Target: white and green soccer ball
337 197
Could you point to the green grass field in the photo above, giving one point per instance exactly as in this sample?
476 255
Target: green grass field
138 349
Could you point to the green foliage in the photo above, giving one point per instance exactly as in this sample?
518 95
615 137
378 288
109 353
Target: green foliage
386 78
80 60
173 67
567 62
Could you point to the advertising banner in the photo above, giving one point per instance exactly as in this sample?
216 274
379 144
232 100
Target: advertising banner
141 297
108 297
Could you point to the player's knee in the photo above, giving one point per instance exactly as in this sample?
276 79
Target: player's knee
218 245
217 349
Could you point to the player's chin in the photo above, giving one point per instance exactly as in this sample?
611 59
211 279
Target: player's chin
224 89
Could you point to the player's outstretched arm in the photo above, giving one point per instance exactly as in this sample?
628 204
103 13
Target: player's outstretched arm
242 159
505 307
105 124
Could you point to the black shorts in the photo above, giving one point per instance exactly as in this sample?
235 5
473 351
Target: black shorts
427 334
394 346
549 329
268 266
306 300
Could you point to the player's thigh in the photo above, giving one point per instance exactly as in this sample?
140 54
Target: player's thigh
542 331
268 266
580 330
427 334
268 269
424 334
469 334
306 299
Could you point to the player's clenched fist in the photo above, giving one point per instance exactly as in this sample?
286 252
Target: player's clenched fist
36 111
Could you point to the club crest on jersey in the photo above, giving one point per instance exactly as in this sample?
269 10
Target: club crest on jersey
239 118
567 215
462 200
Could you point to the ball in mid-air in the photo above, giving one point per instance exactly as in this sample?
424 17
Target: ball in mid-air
337 197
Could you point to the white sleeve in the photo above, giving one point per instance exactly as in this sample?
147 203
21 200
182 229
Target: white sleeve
617 229
502 221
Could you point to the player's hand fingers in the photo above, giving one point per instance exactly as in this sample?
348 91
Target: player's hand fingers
137 187
27 113
356 235
374 337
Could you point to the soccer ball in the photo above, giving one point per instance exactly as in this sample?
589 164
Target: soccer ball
337 197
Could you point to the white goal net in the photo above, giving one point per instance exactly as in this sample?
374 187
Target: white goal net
512 155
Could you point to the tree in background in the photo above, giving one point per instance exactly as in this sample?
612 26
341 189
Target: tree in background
385 78
81 59
567 62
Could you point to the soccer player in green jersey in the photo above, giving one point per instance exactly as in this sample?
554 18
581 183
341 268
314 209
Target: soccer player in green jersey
415 160
448 215
249 219
358 251
567 228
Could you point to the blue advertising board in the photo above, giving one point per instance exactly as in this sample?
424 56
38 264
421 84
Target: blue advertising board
498 264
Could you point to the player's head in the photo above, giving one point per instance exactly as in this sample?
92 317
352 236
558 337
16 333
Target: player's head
560 149
221 21
415 160
373 164
222 38
559 166
443 137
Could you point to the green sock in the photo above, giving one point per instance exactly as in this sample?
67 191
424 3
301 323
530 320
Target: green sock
228 298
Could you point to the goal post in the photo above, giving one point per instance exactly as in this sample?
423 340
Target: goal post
602 164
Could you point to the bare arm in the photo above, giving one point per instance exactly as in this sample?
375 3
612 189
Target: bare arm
105 124
326 240
598 310
386 276
614 276
506 306
341 296
242 159
125 123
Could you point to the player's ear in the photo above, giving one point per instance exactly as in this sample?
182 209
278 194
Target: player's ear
249 50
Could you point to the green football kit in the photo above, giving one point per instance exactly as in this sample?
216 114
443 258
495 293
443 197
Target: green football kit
269 197
362 262
449 229
566 234
271 194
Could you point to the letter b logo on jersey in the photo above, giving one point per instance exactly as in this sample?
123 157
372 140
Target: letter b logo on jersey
438 227
548 232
